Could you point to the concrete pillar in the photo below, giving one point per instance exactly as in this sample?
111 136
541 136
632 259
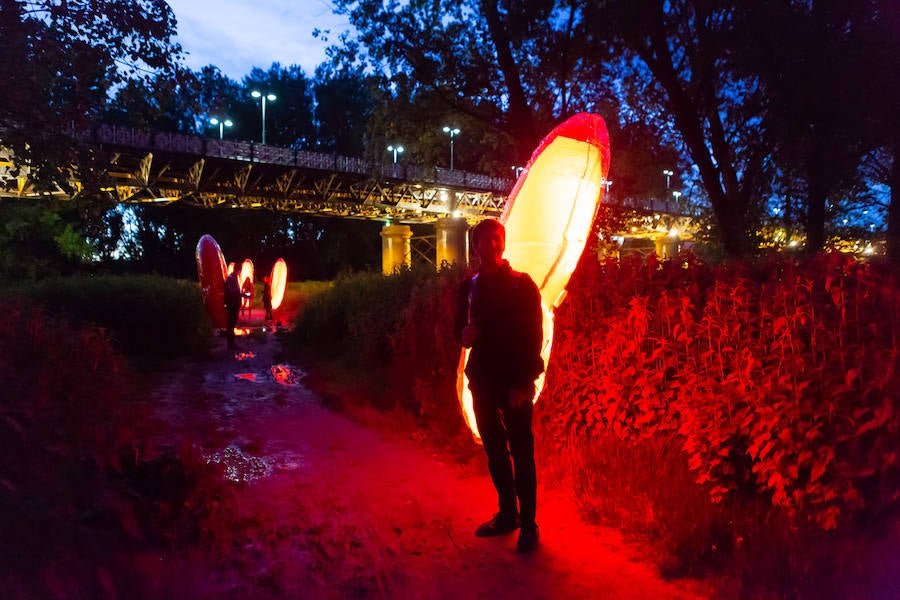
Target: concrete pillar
667 247
395 248
451 241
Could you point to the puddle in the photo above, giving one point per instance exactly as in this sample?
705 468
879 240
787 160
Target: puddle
282 374
240 467
286 375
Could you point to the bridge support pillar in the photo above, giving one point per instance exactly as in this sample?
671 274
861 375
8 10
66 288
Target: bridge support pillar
667 247
395 248
451 242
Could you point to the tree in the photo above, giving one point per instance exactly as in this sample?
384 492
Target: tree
813 62
289 118
343 107
509 71
682 53
163 104
75 52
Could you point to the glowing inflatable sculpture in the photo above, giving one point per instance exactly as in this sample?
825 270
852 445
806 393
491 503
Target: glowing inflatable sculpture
279 282
212 272
246 271
548 217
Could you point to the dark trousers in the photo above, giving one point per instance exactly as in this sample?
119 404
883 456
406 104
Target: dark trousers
231 315
506 433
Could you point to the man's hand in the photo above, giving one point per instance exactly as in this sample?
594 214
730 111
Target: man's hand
519 398
469 335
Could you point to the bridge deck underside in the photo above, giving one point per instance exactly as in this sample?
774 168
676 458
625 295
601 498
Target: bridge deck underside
211 182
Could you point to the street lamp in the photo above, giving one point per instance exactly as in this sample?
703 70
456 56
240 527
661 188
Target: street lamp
396 150
668 173
222 125
517 170
606 184
262 99
452 132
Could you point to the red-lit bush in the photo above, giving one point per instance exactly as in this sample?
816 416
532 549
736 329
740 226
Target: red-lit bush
779 378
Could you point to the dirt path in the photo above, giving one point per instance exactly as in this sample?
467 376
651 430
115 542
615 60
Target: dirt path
336 510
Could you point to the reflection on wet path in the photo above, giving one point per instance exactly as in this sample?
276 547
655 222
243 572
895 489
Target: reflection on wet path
223 406
238 466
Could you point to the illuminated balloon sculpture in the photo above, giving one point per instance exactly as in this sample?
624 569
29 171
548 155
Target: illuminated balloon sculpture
212 272
278 281
246 271
548 217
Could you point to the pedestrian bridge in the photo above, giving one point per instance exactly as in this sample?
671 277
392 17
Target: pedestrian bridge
146 166
160 167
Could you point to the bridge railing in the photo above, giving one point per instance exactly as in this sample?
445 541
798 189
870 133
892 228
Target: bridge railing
251 152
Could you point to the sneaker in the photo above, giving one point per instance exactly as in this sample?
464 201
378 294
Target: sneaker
498 525
528 539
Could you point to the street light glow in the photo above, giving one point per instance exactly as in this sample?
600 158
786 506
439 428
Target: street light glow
262 100
668 173
396 150
451 131
222 125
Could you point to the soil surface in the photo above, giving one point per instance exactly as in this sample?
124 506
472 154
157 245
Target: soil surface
322 506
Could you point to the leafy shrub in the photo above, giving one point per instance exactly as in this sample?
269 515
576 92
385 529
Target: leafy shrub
778 377
399 326
148 316
66 413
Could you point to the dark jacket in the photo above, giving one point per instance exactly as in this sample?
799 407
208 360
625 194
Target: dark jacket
505 307
232 292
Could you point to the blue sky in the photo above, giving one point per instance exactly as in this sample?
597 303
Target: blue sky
237 35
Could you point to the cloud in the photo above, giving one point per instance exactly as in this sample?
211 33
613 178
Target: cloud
237 35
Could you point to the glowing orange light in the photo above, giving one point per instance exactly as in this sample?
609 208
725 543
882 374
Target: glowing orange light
548 218
285 375
278 282
246 271
211 272
244 355
245 376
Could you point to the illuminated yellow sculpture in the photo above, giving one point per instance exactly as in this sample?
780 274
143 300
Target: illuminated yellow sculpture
278 280
548 217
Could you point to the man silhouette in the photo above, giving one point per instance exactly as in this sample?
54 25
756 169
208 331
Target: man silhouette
499 317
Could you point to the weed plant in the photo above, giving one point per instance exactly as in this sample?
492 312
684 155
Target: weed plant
147 316
745 415
394 331
67 419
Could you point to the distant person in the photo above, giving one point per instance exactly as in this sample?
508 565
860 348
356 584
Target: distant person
267 297
247 296
499 317
232 306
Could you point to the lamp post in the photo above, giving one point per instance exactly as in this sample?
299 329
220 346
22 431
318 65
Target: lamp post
517 170
396 150
452 132
222 125
606 184
262 99
668 173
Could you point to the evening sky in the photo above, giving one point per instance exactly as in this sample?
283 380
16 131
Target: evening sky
237 35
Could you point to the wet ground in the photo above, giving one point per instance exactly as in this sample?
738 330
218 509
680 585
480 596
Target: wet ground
323 507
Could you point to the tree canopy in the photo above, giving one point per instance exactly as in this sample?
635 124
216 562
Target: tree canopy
750 94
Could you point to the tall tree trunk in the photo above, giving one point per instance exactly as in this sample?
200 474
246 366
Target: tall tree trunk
711 154
815 216
521 117
893 215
